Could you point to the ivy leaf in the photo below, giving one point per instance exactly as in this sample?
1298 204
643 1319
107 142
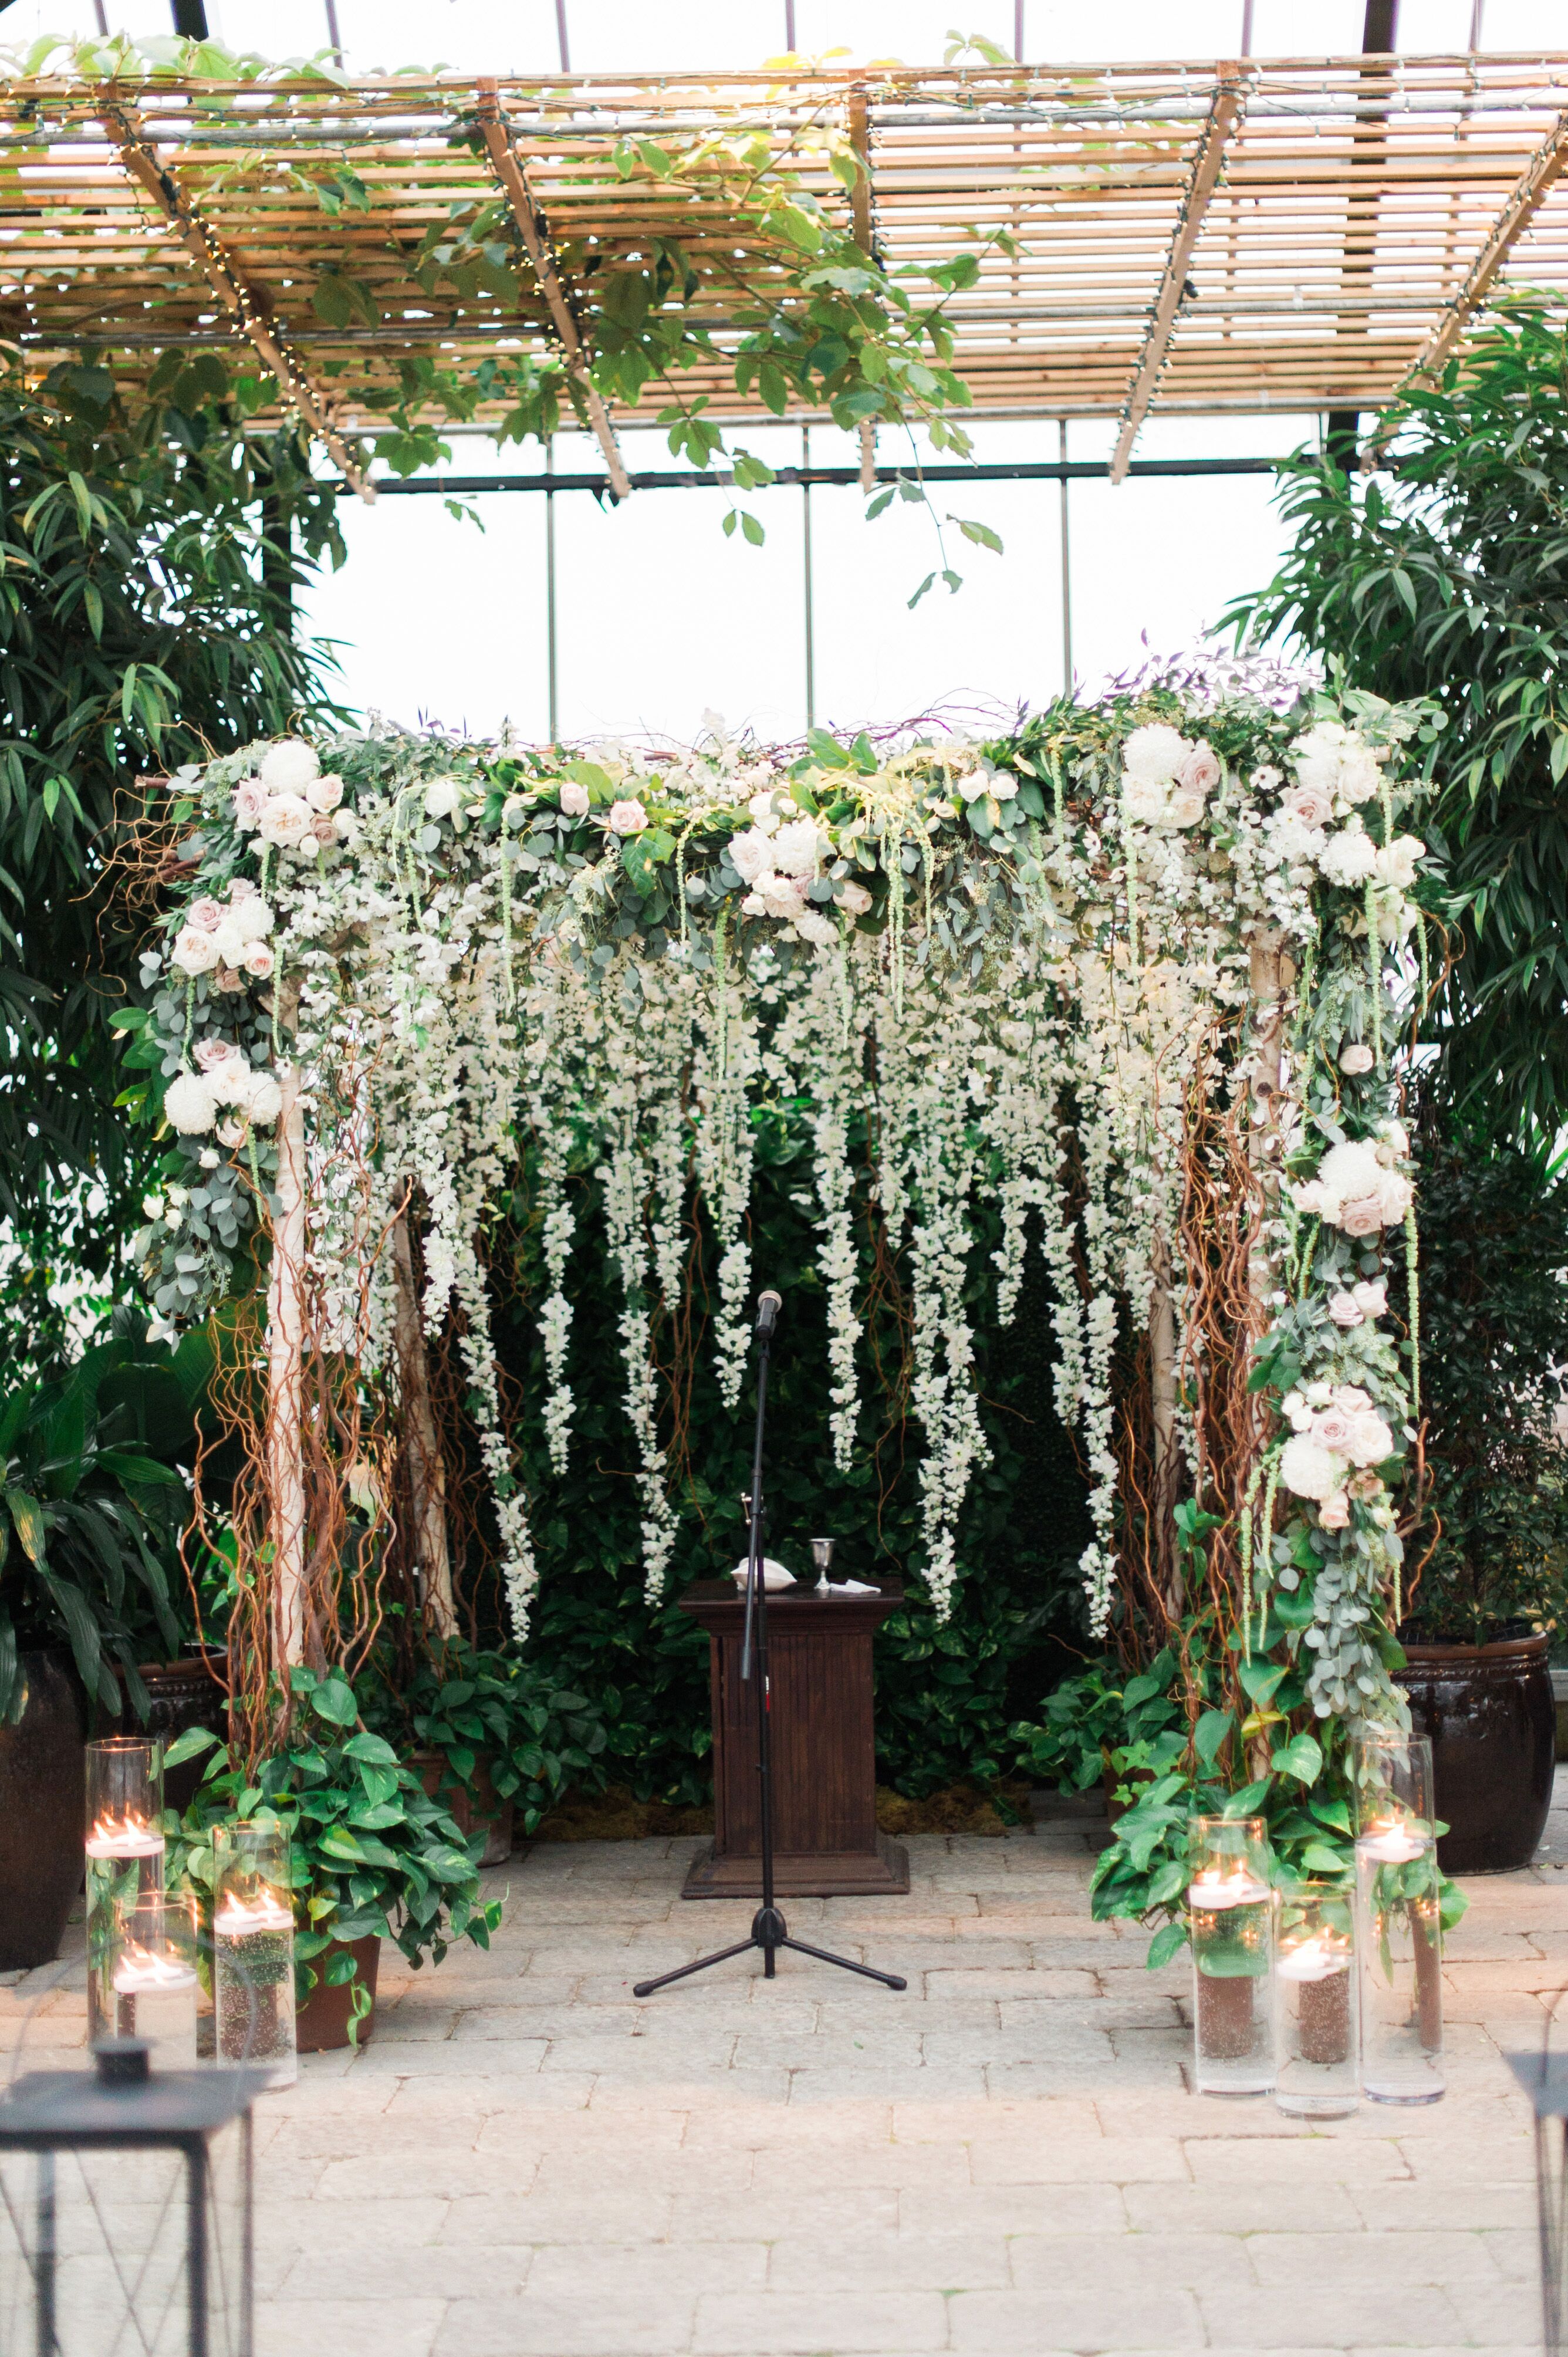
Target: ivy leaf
1168 1941
1302 1758
1209 1734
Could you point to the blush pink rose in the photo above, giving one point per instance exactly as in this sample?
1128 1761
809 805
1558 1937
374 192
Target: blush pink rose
212 1053
259 960
1357 1059
627 817
1364 1217
228 977
250 801
1346 1310
574 798
207 912
1334 1430
1334 1514
1310 805
1199 771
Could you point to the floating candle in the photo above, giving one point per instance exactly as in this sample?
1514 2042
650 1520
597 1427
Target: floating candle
238 1919
123 1838
1313 1959
1213 1890
1394 1845
140 1973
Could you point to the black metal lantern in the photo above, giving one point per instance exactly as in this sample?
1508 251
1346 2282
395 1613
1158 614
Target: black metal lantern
1545 2078
132 2227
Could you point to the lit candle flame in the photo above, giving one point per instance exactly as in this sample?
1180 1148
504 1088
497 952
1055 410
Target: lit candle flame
140 1970
126 1836
238 1918
1394 1841
1316 1958
1234 1887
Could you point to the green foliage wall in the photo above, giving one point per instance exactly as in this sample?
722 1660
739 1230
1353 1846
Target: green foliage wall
946 1696
1449 579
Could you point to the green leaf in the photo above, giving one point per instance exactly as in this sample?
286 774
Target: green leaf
334 1700
1302 1758
1168 1941
1209 1734
980 534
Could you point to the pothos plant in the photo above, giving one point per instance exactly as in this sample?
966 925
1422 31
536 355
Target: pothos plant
1129 977
371 1852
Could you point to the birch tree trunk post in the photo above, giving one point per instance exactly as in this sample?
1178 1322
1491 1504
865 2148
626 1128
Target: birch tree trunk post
426 1466
1162 1387
1269 973
285 1370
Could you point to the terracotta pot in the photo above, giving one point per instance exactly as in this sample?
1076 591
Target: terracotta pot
482 1810
322 2021
1489 1712
43 1801
186 1693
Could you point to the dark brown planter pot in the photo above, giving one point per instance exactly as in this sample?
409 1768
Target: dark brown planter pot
42 1801
1489 1712
183 1695
481 1812
322 2022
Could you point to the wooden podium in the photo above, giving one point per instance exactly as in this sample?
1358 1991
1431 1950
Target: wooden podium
826 1844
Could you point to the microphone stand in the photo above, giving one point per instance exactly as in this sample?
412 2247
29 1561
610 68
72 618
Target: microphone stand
768 1930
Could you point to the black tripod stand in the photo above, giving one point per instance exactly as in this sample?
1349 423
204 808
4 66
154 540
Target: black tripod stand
768 1930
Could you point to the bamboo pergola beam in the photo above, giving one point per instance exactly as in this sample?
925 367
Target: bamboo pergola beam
1545 169
147 167
529 221
1223 114
862 231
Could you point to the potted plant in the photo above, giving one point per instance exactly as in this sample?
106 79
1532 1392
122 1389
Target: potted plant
1489 1599
1104 1728
373 1855
91 1508
496 1737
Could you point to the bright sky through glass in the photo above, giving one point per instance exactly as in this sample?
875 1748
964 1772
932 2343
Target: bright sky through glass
660 617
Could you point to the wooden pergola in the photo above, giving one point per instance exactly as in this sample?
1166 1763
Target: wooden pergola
1290 235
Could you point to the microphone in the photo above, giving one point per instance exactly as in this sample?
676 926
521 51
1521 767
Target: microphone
768 1305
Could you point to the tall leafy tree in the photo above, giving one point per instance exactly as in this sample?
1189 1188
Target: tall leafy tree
148 565
1448 577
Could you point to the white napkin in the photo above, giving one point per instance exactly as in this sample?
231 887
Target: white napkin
852 1588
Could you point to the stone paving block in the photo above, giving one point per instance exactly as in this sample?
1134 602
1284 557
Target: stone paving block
514 2057
803 2324
1145 2264
1506 2311
1371 2262
1244 2208
776 2206
452 2096
1019 2323
1116 2161
879 2262
953 1982
1327 2316
664 2270
584 2326
1298 2160
389 2223
350 2327
481 2221
1485 2160
1015 2210
1437 2204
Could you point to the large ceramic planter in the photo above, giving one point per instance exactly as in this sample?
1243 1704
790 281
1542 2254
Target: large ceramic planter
42 1797
183 1695
1493 1723
480 1812
322 2021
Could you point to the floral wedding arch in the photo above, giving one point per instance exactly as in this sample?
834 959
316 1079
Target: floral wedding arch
1130 974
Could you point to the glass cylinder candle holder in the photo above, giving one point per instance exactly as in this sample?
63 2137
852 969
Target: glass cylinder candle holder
1230 1907
124 1857
1319 2059
252 1950
153 1978
1399 1933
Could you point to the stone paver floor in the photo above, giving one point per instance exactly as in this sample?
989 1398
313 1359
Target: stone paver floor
526 2162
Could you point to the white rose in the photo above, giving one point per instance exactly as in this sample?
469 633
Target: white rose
194 952
1309 1198
1185 808
1144 799
576 800
1370 1441
1346 1310
324 793
1396 861
763 814
190 1103
1154 754
1355 1058
1290 838
1004 785
1396 1195
1351 1399
228 941
209 1157
441 797
750 854
1318 754
1350 856
1360 775
286 821
1371 1296
627 817
1308 1470
288 767
812 926
797 848
853 897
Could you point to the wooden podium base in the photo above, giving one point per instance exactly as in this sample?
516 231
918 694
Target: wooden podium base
884 1870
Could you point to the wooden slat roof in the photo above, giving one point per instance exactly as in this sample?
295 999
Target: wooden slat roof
1354 198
